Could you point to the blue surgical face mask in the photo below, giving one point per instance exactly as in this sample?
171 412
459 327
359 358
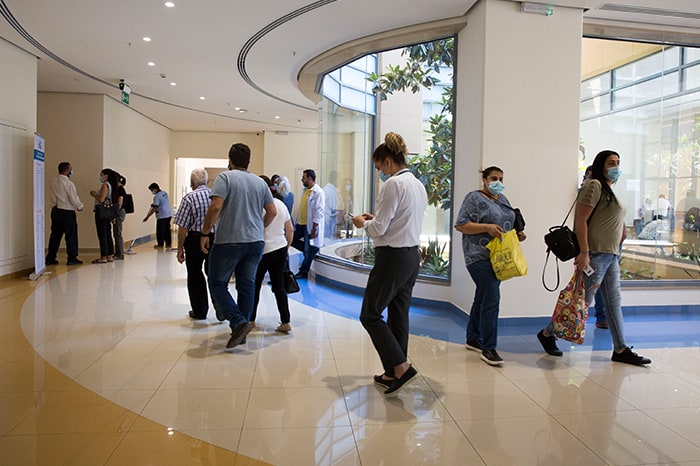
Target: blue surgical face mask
613 174
154 192
382 176
100 178
70 173
496 187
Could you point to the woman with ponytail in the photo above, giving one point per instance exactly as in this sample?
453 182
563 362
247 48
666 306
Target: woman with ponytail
395 228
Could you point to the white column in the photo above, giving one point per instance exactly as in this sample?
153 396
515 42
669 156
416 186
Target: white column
518 86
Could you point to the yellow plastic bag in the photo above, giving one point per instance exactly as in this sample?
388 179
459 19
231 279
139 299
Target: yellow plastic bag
507 258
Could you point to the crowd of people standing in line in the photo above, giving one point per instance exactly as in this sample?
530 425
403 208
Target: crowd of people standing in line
253 220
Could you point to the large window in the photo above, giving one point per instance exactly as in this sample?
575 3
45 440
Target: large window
647 107
368 98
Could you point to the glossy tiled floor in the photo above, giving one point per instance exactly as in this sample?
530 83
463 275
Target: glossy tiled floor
99 365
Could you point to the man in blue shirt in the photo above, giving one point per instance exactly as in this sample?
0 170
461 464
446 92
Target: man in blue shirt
161 207
238 200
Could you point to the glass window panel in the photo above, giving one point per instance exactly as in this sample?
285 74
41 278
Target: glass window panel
595 106
692 54
656 141
595 86
648 90
692 77
352 98
648 66
434 94
355 78
347 141
331 88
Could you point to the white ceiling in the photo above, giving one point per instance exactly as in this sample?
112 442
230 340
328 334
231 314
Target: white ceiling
241 53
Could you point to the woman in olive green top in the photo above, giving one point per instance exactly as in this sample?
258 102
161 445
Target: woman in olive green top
600 229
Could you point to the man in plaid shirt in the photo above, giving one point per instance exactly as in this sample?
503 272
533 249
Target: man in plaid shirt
190 219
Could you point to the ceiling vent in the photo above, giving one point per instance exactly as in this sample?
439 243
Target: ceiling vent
649 11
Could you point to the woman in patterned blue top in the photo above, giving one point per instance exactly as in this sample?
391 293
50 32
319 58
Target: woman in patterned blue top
485 214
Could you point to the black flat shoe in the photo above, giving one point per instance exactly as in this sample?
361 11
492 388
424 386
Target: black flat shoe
401 382
383 383
194 316
549 344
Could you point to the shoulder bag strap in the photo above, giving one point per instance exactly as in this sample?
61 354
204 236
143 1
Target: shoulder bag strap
545 268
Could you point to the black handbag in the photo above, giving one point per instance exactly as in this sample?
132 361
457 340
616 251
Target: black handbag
519 223
107 210
290 282
561 242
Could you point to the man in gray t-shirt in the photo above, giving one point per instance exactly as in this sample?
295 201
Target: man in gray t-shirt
238 200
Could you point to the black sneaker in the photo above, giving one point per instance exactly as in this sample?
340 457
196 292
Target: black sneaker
491 357
219 314
383 383
398 384
74 262
194 316
630 357
301 275
473 345
549 344
51 262
238 335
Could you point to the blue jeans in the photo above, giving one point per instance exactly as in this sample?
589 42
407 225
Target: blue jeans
599 307
225 260
483 317
309 251
606 278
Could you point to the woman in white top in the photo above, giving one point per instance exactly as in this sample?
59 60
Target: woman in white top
278 236
395 228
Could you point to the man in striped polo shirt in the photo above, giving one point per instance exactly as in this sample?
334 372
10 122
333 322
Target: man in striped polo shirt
190 219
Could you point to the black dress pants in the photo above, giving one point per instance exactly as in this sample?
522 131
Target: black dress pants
390 284
63 223
163 233
275 262
196 282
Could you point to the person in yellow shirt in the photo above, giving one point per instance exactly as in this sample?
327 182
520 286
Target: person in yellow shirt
308 233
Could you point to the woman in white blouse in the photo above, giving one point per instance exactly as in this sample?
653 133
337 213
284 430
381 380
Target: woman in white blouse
395 228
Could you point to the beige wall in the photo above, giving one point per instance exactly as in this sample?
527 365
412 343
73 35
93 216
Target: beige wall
139 149
599 56
72 126
526 122
18 76
94 132
207 145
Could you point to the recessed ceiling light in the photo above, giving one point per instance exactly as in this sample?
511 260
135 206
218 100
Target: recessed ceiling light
237 108
150 63
242 110
277 117
146 39
173 84
202 98
169 4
